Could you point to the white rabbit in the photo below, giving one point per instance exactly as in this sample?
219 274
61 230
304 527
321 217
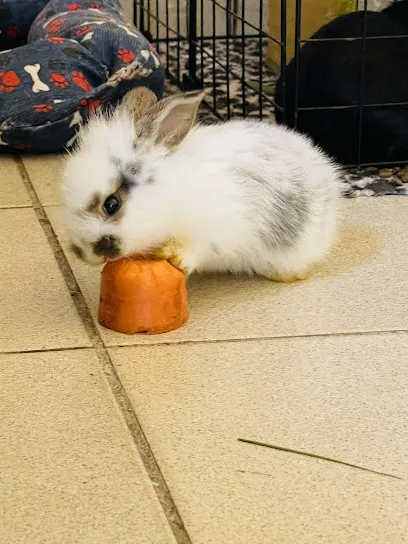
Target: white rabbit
241 196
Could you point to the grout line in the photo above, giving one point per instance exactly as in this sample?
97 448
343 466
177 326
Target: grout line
259 338
45 350
142 445
214 341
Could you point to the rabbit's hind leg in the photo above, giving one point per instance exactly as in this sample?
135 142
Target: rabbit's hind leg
286 268
289 277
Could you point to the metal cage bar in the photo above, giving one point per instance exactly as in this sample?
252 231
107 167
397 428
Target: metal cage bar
218 46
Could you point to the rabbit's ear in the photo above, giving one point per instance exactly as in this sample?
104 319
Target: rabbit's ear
138 101
170 120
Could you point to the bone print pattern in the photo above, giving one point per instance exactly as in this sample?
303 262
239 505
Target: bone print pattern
38 85
78 57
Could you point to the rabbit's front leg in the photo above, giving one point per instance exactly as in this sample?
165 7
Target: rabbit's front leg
178 255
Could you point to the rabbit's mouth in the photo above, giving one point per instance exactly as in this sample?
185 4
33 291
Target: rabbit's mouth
147 256
107 247
113 259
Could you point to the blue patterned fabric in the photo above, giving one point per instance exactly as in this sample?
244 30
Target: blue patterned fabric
78 56
16 18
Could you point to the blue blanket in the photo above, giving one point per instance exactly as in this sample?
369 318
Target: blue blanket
76 57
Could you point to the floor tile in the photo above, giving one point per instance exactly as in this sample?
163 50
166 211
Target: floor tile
13 193
36 309
342 397
69 469
45 174
362 287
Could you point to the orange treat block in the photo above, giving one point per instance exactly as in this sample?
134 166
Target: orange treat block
142 296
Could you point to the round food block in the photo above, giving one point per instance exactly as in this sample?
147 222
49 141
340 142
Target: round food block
142 296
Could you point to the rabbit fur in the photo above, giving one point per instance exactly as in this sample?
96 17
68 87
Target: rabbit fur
241 196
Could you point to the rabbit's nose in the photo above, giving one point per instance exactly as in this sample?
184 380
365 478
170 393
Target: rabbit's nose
107 246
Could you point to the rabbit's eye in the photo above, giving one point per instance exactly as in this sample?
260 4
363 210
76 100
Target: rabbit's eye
112 204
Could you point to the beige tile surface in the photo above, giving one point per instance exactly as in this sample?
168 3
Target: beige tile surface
69 469
45 174
362 287
13 193
36 310
341 397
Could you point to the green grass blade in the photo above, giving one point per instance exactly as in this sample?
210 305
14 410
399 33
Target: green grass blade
315 456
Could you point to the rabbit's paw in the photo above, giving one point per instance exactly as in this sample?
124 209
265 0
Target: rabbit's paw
168 251
173 252
179 262
289 277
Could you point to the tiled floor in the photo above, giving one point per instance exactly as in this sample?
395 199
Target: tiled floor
107 438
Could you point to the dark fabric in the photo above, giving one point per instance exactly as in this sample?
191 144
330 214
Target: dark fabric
79 56
16 18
